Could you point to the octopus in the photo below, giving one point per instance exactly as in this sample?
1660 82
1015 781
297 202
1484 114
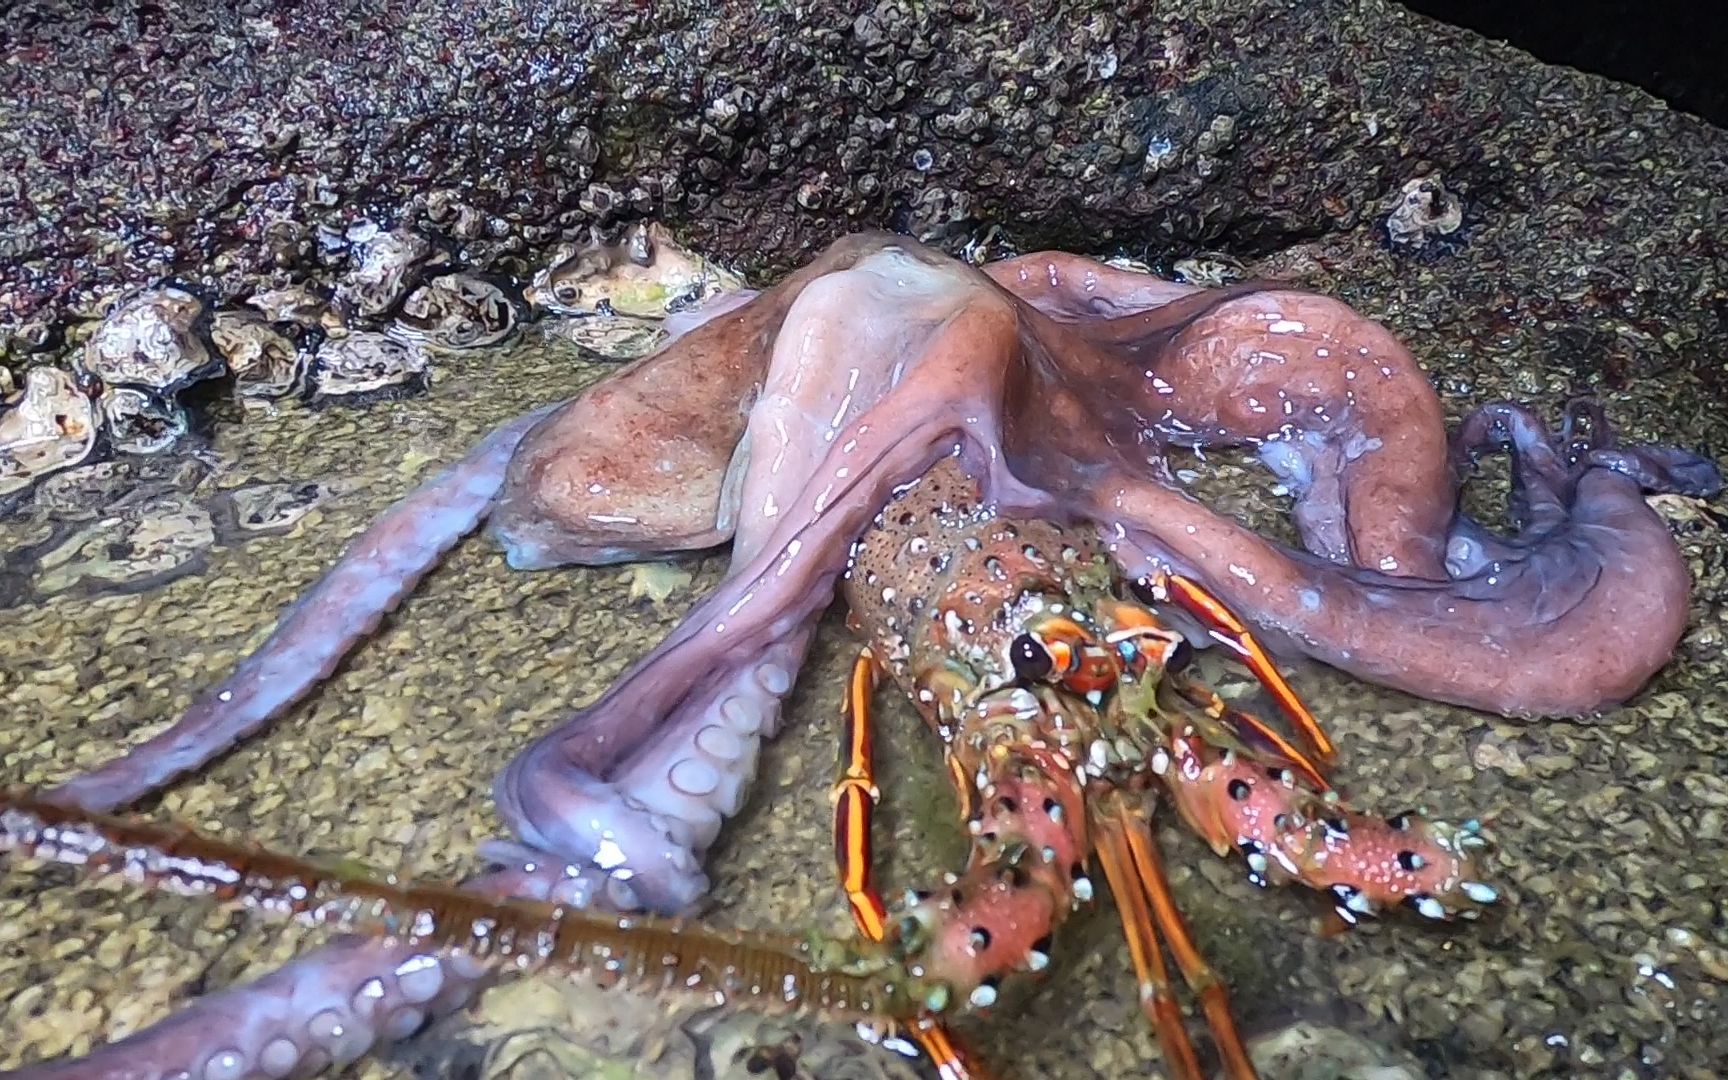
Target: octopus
785 422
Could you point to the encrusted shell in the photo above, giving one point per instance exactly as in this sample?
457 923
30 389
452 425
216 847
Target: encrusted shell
48 426
1424 209
365 365
457 311
151 340
386 265
645 274
266 363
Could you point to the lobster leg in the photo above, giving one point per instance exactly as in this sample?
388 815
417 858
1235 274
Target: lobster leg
1230 632
1148 872
1157 998
855 797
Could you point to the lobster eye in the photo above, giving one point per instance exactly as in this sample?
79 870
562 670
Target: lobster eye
1180 656
1031 659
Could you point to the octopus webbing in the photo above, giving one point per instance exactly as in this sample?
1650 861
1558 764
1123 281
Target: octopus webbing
785 422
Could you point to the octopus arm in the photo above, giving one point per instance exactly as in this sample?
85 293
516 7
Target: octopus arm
342 609
1576 613
644 777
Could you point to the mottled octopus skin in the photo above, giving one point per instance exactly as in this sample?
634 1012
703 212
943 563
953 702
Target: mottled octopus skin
788 422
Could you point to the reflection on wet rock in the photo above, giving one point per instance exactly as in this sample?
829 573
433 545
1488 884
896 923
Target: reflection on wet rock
141 422
86 492
457 311
48 426
150 542
151 340
614 337
1309 1051
535 1028
265 362
365 366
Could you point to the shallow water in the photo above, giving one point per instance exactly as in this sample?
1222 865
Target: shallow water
1610 957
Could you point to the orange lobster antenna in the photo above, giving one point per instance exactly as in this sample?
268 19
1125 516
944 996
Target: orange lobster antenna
850 981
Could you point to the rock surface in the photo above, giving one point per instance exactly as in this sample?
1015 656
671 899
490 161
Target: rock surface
229 145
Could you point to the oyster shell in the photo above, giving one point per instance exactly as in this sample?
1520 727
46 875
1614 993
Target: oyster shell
645 274
141 422
386 265
48 426
295 304
151 340
457 311
365 366
266 363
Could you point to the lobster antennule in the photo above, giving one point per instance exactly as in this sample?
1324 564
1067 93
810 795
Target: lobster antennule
1229 631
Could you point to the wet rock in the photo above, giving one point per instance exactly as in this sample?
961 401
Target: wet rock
761 136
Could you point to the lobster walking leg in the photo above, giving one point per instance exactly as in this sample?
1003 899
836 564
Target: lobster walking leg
855 796
1202 981
1229 631
1139 926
